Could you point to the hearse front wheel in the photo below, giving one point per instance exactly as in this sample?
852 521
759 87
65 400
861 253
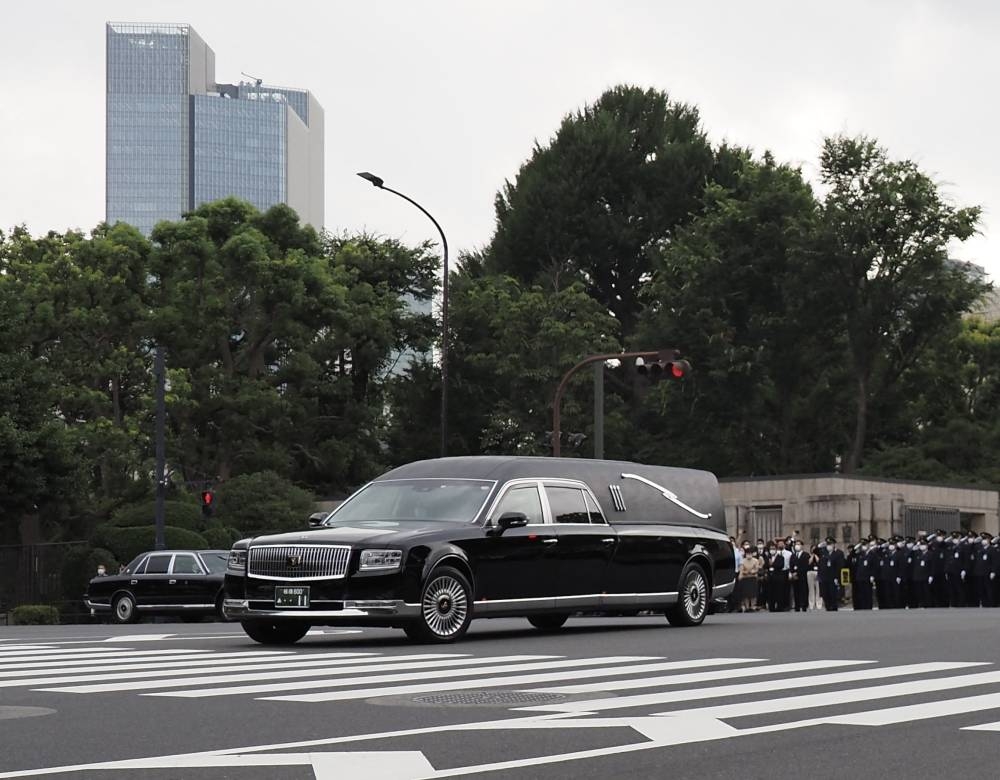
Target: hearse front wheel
692 600
275 632
548 622
445 608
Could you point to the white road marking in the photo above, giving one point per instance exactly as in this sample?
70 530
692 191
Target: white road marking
612 670
367 693
268 672
739 689
172 668
142 637
134 660
716 674
53 655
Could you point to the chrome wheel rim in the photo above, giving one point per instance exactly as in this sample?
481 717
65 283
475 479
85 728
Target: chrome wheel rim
695 595
445 606
123 608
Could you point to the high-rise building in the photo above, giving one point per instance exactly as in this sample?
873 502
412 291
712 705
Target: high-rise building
177 139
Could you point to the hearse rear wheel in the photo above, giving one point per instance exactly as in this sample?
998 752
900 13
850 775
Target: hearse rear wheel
445 608
275 632
692 601
548 622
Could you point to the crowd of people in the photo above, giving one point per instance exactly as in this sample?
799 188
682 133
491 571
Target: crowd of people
939 569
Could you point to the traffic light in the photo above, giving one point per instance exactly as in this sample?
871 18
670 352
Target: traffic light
667 365
207 507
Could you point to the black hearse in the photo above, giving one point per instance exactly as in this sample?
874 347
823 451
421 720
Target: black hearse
431 545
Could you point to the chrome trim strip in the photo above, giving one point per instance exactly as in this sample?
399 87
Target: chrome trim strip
240 608
669 495
657 594
616 497
175 606
721 591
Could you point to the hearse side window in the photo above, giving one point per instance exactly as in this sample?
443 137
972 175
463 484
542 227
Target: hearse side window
522 499
158 564
567 504
593 509
185 564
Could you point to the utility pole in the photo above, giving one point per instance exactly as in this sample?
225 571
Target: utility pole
159 374
599 410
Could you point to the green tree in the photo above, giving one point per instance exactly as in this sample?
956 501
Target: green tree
262 502
883 269
613 185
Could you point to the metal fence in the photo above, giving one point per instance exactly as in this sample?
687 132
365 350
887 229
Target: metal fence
764 522
33 574
928 518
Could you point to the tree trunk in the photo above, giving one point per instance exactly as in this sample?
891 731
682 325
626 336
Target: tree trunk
860 425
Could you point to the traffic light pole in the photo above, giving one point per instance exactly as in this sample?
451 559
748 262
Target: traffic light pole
561 390
159 373
598 411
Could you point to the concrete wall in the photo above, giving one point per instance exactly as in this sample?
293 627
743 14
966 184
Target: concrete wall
856 506
297 175
317 165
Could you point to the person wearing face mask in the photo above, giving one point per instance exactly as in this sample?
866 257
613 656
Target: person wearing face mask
920 573
812 579
906 595
762 575
800 577
981 567
747 585
995 572
777 580
938 581
897 560
862 588
955 570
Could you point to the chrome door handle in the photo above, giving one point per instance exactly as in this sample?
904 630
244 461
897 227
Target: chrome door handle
171 582
549 541
133 582
609 540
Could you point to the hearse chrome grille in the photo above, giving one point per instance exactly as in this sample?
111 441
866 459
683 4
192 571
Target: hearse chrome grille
298 561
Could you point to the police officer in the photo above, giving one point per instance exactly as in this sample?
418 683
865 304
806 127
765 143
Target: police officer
907 594
920 573
969 589
831 569
995 572
777 580
954 568
938 581
885 575
862 587
982 565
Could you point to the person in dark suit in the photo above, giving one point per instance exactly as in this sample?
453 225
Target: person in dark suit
995 572
981 567
861 590
834 563
801 560
897 560
938 581
920 573
777 580
954 569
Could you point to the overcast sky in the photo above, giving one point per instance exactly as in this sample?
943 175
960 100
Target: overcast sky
444 99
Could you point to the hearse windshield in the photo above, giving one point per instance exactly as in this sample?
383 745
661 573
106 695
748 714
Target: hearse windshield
414 501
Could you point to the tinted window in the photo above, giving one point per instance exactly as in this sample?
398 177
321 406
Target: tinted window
593 509
138 566
522 499
567 505
216 562
186 564
158 564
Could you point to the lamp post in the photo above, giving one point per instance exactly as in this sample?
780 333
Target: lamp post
378 182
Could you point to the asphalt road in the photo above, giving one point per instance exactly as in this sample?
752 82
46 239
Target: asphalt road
816 695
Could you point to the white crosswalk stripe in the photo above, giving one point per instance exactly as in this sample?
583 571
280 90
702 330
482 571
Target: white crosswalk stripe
648 690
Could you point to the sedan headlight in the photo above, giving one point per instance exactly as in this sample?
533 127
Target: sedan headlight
237 561
380 560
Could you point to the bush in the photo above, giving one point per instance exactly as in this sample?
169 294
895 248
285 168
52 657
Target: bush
220 538
34 615
179 514
262 503
80 567
126 543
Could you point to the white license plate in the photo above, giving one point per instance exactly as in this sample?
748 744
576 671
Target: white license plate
296 597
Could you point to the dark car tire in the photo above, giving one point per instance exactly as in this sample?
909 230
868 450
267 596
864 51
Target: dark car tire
692 598
123 609
275 632
445 608
549 622
219 613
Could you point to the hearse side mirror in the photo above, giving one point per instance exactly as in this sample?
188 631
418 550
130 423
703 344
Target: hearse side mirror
316 519
510 520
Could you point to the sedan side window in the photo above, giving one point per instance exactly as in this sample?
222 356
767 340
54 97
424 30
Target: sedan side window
567 504
158 564
522 499
185 564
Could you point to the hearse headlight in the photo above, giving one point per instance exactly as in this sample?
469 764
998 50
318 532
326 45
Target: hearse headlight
380 560
237 561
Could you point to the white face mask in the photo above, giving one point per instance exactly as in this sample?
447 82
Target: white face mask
892 547
798 548
760 548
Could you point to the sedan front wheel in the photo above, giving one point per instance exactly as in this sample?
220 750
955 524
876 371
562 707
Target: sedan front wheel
445 608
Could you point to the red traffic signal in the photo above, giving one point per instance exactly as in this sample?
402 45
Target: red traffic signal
206 503
667 365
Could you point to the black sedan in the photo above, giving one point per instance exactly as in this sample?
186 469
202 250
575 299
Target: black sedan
187 583
432 545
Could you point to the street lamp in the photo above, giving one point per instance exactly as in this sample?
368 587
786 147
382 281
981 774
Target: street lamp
379 182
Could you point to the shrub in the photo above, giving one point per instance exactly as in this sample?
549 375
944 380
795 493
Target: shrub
179 514
262 502
126 543
220 538
34 615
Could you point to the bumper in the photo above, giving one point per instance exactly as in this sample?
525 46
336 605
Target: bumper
724 590
357 612
97 606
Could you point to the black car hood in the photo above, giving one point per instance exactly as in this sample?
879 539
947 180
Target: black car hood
371 533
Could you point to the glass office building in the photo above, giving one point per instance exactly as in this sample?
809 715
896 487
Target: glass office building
176 138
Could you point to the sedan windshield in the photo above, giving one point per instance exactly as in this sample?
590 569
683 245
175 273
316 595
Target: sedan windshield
216 561
415 500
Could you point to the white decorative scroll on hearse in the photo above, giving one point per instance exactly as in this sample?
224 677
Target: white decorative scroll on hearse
669 495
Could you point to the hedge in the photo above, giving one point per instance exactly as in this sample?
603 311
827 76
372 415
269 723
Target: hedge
34 615
221 537
126 543
179 514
